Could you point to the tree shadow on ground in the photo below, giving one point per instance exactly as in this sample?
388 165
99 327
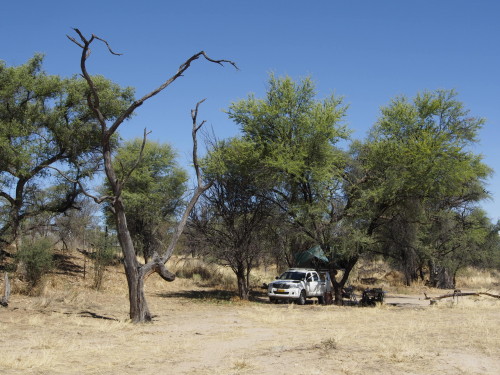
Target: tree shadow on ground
65 265
216 295
90 314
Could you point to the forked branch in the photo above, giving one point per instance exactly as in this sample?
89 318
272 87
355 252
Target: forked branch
158 262
94 102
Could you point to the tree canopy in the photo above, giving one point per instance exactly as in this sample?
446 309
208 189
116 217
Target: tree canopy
45 124
152 193
418 168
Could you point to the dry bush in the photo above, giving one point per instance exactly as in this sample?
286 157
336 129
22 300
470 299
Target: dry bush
202 273
474 278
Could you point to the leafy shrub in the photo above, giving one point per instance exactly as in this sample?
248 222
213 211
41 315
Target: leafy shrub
37 258
103 256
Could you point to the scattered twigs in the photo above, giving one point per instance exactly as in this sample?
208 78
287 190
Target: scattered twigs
6 291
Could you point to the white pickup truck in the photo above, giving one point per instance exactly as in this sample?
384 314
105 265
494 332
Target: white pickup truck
298 284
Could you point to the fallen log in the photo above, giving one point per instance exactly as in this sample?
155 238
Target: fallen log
4 301
461 294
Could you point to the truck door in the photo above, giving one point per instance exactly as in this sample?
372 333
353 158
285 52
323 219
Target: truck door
313 284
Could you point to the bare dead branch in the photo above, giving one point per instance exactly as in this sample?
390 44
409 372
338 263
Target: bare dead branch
139 158
93 100
75 41
107 45
184 66
7 197
461 294
94 103
220 62
196 128
156 265
200 189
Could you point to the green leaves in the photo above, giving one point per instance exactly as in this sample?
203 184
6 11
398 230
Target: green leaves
45 122
152 193
420 149
293 132
420 177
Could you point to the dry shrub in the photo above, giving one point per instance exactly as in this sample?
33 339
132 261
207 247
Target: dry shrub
35 260
190 268
474 278
206 274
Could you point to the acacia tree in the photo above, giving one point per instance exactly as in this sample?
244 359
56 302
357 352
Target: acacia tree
418 170
44 122
456 239
136 272
295 136
233 217
153 192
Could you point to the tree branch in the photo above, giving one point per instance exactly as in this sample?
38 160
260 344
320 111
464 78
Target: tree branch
98 200
7 197
200 189
139 158
163 86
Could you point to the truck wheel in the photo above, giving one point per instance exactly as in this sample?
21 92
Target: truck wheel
302 298
321 300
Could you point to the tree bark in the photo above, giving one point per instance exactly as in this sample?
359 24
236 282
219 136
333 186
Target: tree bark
243 287
440 277
338 285
135 272
4 301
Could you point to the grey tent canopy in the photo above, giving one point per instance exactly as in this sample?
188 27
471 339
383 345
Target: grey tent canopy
313 257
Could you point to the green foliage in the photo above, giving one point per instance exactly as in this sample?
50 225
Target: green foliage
45 122
294 139
152 193
37 258
292 131
234 213
421 182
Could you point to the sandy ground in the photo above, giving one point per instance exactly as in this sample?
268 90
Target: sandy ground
205 331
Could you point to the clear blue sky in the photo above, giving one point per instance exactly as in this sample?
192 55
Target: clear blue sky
367 51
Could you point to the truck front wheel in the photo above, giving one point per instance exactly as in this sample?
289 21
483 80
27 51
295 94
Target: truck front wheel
302 298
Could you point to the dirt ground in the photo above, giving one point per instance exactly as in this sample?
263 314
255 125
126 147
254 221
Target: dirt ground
72 329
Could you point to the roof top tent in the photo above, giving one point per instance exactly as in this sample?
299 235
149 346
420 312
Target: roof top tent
311 258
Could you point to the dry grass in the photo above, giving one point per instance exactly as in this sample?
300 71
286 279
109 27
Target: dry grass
56 334
478 279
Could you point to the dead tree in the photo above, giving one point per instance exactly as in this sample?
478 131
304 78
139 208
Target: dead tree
4 301
136 272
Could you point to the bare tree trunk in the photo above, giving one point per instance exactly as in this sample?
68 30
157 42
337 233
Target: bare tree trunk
135 272
243 289
441 277
409 264
338 285
4 301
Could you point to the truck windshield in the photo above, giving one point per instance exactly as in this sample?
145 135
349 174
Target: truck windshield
293 275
